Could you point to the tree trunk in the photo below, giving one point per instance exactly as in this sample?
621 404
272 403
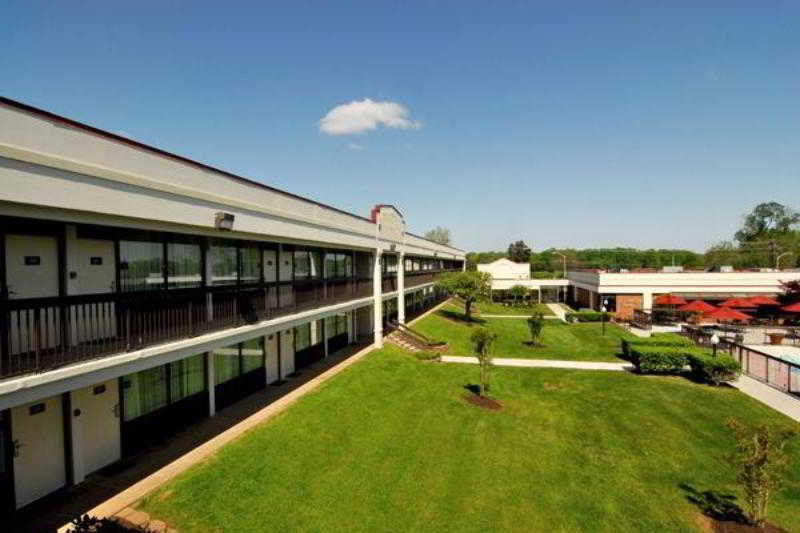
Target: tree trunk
468 309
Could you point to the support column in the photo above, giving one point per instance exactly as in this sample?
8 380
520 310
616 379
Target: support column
647 301
377 298
73 421
401 288
212 400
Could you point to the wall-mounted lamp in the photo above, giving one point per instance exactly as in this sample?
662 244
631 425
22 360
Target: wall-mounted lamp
223 221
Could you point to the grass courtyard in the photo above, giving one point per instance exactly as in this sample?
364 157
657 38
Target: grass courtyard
494 308
570 342
391 445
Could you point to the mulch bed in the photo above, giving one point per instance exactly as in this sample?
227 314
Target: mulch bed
483 401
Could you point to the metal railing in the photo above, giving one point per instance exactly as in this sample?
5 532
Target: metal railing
774 371
39 334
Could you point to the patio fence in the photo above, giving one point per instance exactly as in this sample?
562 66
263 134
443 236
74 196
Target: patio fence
774 371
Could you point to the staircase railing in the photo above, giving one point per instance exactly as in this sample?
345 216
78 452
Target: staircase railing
426 342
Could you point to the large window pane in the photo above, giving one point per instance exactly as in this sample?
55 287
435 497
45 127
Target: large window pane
302 265
302 337
187 377
226 364
223 264
252 354
250 261
141 265
316 264
184 265
348 265
144 392
330 266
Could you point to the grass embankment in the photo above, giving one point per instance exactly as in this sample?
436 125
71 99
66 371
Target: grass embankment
391 445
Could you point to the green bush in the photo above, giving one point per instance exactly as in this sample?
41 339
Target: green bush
654 342
714 370
587 316
658 360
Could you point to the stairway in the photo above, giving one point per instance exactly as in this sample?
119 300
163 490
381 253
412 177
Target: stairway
412 340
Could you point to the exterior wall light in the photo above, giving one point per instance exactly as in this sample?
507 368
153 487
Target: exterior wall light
223 221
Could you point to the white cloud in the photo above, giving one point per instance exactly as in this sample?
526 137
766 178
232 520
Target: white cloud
355 146
366 115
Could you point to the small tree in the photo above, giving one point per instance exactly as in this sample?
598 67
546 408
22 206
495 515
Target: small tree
518 292
535 325
439 235
761 463
519 252
482 340
469 286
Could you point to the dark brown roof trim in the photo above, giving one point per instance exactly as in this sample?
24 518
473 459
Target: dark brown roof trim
136 144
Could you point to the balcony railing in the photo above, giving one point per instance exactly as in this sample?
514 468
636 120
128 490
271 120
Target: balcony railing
39 334
415 278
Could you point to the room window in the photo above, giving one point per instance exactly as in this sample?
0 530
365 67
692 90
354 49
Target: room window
187 377
250 262
227 364
184 265
224 268
252 354
141 265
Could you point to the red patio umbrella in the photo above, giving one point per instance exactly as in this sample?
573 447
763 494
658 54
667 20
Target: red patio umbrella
763 300
669 299
726 314
738 302
698 306
793 308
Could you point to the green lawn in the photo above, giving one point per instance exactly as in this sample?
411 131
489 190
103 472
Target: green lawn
494 308
572 342
390 445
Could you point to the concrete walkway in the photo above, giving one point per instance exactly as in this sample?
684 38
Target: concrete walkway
541 363
517 316
559 311
780 401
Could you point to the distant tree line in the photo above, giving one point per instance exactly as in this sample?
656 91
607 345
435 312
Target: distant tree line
769 237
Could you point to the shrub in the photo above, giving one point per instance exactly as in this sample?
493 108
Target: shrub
715 370
658 360
654 342
761 463
92 524
587 316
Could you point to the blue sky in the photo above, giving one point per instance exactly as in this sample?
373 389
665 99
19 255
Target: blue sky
649 124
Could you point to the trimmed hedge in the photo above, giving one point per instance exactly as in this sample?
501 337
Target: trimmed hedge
658 360
587 316
653 342
715 370
653 356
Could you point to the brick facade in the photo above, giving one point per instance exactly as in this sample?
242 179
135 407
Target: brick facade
626 303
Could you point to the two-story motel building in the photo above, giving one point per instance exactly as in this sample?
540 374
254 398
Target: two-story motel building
141 291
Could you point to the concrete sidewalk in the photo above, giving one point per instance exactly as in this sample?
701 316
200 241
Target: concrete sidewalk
780 401
541 363
559 311
518 316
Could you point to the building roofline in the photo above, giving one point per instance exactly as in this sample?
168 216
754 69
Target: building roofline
163 153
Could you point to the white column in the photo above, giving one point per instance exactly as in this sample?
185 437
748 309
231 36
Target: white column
325 334
212 401
401 288
647 301
76 433
351 319
377 298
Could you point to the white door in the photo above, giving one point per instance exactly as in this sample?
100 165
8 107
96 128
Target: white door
32 266
98 425
270 266
94 267
272 358
287 352
32 272
38 433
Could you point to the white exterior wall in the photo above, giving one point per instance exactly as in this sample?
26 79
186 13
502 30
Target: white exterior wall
662 282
